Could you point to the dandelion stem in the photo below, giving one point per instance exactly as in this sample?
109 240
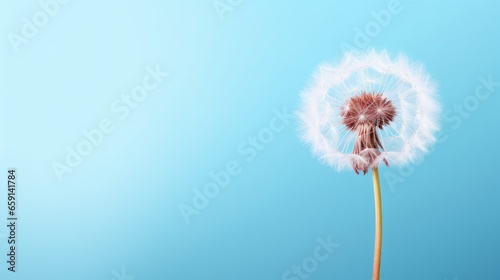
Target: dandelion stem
378 225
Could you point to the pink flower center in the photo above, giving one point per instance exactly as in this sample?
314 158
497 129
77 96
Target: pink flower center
363 114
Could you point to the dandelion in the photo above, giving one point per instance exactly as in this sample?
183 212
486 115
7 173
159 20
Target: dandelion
367 110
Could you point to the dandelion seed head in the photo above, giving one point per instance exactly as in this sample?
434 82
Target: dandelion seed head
374 113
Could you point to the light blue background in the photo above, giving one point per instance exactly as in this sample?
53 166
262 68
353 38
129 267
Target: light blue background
119 208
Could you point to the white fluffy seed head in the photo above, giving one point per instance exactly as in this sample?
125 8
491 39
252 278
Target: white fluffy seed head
406 139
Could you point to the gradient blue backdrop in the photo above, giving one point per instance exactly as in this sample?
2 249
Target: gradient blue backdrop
119 208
